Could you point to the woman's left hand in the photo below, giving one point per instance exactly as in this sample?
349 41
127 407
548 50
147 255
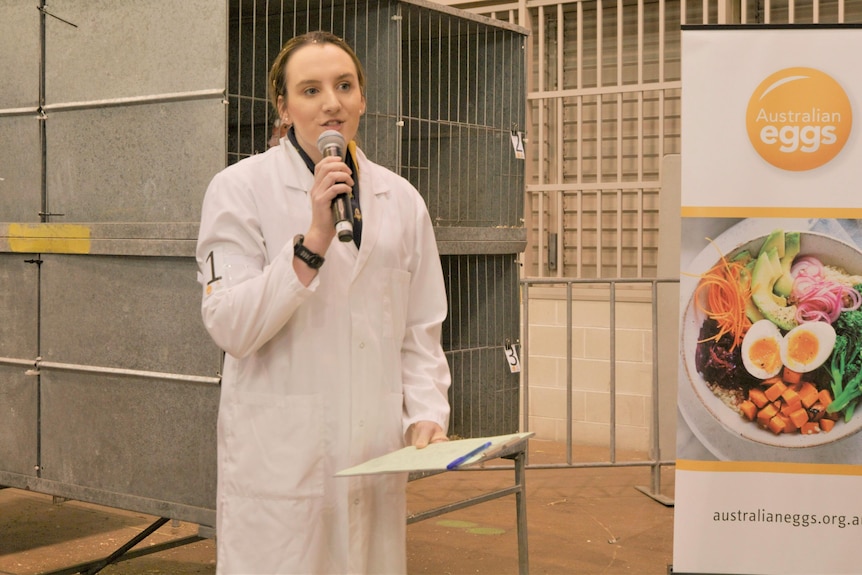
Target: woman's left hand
421 433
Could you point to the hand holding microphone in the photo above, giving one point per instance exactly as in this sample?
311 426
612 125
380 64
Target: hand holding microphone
331 143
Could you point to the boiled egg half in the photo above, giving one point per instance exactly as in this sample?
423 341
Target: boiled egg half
807 346
761 349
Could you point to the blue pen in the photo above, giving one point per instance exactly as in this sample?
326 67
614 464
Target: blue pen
464 458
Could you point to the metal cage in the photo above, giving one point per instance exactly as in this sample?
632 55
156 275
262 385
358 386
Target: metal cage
113 119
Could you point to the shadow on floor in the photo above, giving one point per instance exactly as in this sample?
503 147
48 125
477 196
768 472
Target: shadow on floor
587 521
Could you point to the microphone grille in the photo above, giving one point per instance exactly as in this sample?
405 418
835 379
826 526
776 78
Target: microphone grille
330 138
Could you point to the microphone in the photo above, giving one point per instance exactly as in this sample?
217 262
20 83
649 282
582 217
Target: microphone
331 143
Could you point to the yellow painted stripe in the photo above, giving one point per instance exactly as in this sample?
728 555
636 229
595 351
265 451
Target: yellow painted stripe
49 238
768 212
768 467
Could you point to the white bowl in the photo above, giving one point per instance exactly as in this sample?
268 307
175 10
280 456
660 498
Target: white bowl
828 250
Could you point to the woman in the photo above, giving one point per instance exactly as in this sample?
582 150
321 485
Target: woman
333 351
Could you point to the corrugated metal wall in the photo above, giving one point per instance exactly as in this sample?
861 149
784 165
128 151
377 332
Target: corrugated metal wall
113 118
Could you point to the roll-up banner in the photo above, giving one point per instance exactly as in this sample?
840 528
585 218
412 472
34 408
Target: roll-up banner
769 448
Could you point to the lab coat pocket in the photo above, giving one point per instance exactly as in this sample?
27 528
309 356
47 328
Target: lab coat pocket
274 447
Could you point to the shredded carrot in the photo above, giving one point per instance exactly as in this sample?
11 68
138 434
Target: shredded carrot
725 300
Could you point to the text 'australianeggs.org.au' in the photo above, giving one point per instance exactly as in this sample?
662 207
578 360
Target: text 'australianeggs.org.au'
792 519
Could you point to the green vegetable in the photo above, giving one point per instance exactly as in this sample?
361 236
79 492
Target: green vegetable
846 365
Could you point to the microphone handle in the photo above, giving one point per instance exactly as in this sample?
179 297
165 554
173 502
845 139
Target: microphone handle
343 217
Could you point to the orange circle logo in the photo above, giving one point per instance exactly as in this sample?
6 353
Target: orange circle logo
799 119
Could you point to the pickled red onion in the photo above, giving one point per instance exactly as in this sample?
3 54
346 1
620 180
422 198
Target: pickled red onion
817 297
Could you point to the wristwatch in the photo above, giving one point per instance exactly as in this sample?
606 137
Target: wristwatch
311 259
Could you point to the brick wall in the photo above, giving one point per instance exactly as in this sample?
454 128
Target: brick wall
591 368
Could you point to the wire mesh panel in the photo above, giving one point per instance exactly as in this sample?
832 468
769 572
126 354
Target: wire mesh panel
445 94
483 318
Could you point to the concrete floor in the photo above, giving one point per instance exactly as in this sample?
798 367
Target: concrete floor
590 521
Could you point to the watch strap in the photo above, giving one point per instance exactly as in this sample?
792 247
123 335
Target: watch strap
311 259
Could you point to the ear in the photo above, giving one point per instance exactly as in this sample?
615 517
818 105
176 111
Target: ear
281 104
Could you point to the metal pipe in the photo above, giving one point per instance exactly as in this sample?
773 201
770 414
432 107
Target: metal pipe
136 100
39 364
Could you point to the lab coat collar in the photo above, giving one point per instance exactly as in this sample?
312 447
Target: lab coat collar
298 179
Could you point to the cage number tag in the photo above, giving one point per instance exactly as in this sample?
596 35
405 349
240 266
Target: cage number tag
512 358
518 144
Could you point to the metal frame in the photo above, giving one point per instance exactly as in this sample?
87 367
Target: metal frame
125 552
516 453
655 462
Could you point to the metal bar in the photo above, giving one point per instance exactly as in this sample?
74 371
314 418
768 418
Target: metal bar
601 464
525 355
126 553
128 545
521 514
125 372
613 368
464 503
604 90
137 100
119 500
654 490
133 554
15 361
569 383
9 112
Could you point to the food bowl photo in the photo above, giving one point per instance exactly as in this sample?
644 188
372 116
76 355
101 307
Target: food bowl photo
727 397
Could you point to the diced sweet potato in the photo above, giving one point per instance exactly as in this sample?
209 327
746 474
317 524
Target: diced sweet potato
776 425
775 390
824 397
789 426
791 399
810 428
791 377
799 418
757 397
765 414
808 394
826 424
749 410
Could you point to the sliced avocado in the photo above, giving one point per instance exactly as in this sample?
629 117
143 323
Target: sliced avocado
743 257
767 270
791 250
751 311
775 239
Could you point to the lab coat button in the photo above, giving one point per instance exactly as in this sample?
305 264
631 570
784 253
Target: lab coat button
356 501
362 345
361 424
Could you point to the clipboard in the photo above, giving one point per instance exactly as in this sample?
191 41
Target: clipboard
437 456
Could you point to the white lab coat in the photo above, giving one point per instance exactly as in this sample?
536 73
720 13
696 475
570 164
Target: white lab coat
321 378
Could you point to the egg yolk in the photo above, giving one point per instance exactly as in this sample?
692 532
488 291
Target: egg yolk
765 354
803 347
